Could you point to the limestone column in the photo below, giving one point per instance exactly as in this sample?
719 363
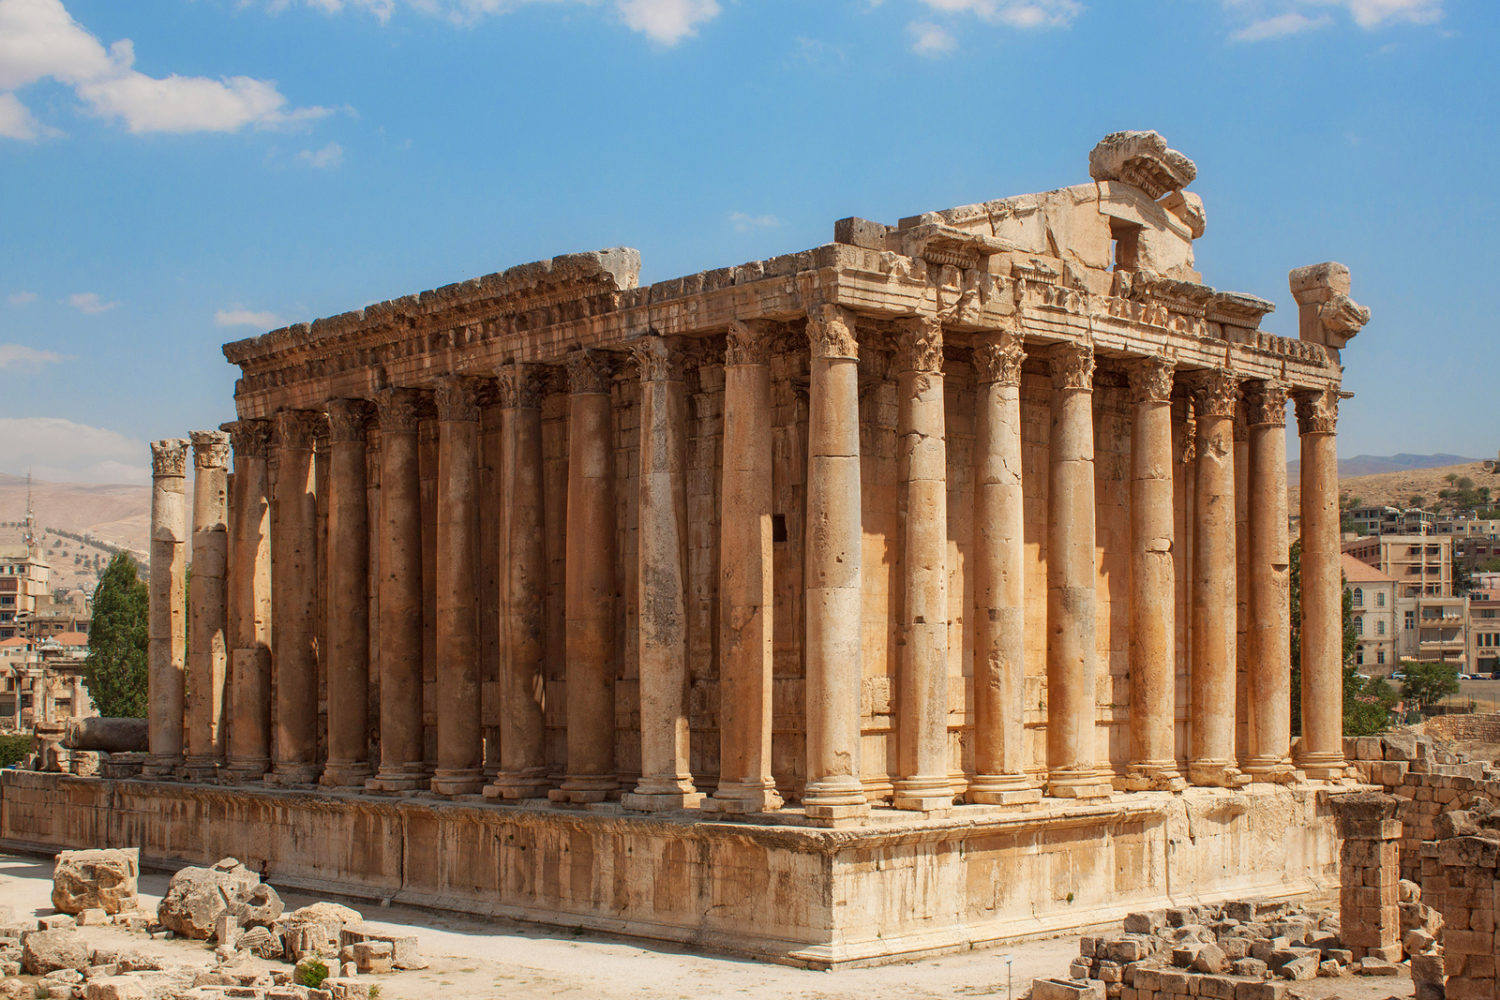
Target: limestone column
248 746
207 622
1153 587
348 654
1211 757
746 599
922 683
294 596
833 650
999 578
1269 576
460 719
1072 659
166 631
589 591
399 586
661 543
1321 754
523 589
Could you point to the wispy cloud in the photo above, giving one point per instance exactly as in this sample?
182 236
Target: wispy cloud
240 316
39 39
90 303
1264 20
743 222
19 356
1014 13
667 22
1280 26
329 157
59 450
930 39
20 298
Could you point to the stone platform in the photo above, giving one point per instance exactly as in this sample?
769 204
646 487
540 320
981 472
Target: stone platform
899 887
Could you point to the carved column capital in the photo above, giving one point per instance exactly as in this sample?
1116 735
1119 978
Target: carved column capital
399 410
919 347
748 342
250 438
830 332
1215 393
169 458
657 359
1072 366
589 372
1317 410
297 430
519 386
1151 380
457 397
349 419
210 449
999 359
1265 403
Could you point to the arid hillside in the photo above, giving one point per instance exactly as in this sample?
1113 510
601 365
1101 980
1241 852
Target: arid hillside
117 516
1397 488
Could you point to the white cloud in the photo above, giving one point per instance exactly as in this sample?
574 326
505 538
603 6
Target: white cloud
39 39
667 21
1374 13
89 303
21 298
21 356
1279 26
60 450
743 222
327 158
1014 13
929 39
1268 19
240 316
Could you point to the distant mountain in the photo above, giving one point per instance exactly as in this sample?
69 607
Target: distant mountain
1374 465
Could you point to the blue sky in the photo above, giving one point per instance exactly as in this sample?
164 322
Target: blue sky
175 174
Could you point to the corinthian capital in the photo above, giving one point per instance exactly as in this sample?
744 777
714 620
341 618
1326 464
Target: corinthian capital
1317 410
830 332
210 449
1265 403
1215 393
999 359
920 345
399 410
588 373
1151 380
297 430
519 386
169 458
457 397
250 438
657 360
1073 366
348 419
747 343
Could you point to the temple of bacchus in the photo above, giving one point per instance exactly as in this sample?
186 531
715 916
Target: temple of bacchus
913 592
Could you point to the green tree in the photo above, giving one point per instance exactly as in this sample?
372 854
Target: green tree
1417 500
115 671
1428 683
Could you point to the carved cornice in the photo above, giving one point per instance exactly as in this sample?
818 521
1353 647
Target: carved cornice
748 342
657 360
1151 380
399 410
830 332
520 386
589 372
1072 366
1317 411
169 458
250 438
999 360
210 449
919 345
457 398
1265 404
297 430
1215 393
349 419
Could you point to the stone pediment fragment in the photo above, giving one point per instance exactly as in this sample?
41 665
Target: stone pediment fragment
939 244
1238 309
1143 160
1328 315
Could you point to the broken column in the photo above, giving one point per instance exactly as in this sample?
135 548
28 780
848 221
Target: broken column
1370 874
167 636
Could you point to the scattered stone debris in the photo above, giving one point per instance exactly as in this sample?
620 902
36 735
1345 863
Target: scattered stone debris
96 880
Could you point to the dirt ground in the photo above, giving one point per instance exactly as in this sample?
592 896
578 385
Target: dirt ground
484 959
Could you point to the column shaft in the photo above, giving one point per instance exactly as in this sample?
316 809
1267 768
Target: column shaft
348 655
746 598
1322 749
460 721
249 738
294 595
166 632
832 592
208 655
399 655
999 578
589 591
1269 576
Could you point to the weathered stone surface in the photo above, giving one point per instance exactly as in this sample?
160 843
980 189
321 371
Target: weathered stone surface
110 735
1067 989
96 879
196 897
1143 160
47 951
115 988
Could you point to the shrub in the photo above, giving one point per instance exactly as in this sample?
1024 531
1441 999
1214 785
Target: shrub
311 972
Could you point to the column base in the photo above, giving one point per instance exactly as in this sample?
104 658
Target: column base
747 797
516 785
162 767
1078 784
240 770
923 794
466 781
202 769
293 775
1323 766
399 778
835 800
1002 790
660 801
351 774
582 789
1151 776
1216 774
1271 771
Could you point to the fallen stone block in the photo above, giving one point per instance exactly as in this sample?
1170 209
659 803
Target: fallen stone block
1148 922
1249 967
92 917
1304 967
47 951
115 988
1329 969
102 879
1067 989
197 896
374 956
1369 966
54 922
1210 959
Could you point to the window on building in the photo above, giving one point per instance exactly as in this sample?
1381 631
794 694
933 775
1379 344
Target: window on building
1359 597
1359 655
1380 627
1379 656
1359 625
1380 599
1411 620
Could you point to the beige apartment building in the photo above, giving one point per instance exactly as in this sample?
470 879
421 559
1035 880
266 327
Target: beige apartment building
1421 565
1373 597
24 578
1484 632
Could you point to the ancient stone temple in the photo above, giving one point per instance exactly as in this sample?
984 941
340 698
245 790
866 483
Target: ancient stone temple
915 591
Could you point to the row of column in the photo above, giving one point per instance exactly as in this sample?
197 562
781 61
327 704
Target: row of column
231 619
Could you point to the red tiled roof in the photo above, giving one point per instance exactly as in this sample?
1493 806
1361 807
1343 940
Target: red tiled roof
1356 571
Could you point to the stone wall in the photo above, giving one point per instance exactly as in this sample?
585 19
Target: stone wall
1475 728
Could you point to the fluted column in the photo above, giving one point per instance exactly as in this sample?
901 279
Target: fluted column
589 598
248 744
166 620
1321 753
294 597
523 589
833 650
1269 577
1212 759
348 655
1153 588
1072 659
999 578
745 579
666 780
460 721
922 683
399 585
207 622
